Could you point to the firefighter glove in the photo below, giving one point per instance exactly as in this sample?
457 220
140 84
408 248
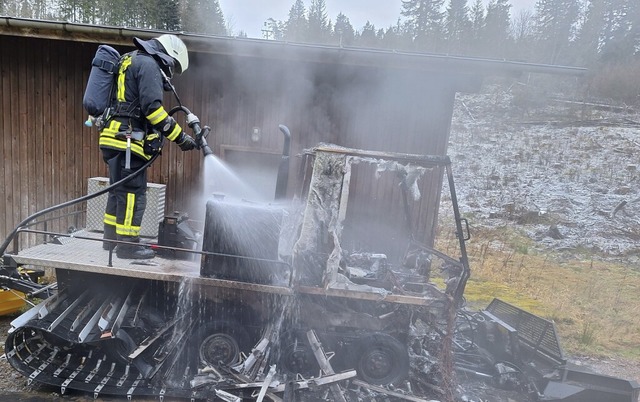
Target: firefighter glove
186 142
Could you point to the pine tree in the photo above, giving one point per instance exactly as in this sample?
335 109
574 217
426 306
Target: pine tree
591 34
85 12
615 47
634 29
395 38
495 34
477 27
167 15
343 32
367 37
274 29
204 16
297 24
626 36
425 22
457 26
319 24
554 28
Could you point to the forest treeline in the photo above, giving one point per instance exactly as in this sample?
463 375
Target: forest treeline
602 35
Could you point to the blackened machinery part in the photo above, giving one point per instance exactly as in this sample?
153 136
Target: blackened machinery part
283 169
295 356
580 384
241 243
381 359
220 343
458 293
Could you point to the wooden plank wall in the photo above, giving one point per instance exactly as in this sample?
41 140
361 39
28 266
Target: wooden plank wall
47 154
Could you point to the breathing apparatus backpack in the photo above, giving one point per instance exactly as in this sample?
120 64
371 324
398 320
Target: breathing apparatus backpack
101 85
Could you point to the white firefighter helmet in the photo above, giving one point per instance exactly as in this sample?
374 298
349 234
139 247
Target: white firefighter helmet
175 48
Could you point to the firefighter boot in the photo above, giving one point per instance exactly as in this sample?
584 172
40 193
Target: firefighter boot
133 251
109 234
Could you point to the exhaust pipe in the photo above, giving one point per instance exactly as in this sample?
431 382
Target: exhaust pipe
283 169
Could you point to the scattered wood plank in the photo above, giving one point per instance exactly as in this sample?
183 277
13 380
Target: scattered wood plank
318 382
245 382
599 106
265 385
256 355
585 123
225 396
273 397
390 393
325 366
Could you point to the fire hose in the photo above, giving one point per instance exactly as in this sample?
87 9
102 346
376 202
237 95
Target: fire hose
201 141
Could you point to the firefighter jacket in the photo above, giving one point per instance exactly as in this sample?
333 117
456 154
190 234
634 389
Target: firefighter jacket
136 109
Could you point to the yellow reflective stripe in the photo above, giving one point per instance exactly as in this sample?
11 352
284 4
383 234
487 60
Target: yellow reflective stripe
109 219
114 127
128 212
174 133
136 148
127 229
132 231
126 62
108 139
157 116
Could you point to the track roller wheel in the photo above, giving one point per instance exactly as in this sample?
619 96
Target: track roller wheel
220 343
381 359
296 357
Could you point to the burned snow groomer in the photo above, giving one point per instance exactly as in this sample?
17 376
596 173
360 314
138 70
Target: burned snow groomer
288 300
273 284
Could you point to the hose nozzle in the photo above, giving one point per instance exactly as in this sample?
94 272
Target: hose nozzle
201 140
200 134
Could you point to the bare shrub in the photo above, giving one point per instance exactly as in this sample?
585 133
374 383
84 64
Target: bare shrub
618 82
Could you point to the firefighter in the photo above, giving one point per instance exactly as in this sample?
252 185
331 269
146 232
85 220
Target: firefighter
135 131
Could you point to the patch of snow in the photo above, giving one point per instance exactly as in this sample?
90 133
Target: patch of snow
550 168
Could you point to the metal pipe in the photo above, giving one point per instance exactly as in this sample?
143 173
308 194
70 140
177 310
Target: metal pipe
283 169
476 373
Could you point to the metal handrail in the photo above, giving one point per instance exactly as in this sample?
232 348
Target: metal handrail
155 246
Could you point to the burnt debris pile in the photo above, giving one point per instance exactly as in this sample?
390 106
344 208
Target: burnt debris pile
341 295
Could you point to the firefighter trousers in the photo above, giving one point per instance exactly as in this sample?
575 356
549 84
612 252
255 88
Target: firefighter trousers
127 202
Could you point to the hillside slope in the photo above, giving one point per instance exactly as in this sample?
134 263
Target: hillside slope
566 174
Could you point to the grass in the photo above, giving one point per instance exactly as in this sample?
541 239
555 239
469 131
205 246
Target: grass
593 303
